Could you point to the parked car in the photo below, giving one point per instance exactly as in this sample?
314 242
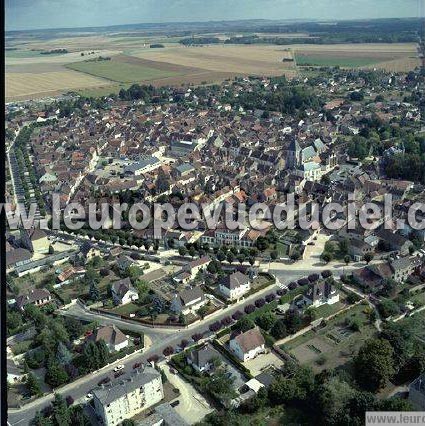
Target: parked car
119 367
89 396
175 403
137 365
118 374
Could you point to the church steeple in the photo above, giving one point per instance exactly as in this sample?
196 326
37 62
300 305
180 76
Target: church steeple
294 154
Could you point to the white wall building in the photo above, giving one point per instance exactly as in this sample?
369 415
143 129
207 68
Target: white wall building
125 398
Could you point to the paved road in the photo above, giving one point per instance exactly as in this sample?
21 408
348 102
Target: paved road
81 387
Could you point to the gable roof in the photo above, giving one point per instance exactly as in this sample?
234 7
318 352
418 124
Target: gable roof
191 294
121 287
110 334
249 340
234 280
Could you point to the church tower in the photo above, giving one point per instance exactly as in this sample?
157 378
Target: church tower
293 158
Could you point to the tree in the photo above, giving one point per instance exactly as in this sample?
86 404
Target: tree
292 321
192 252
230 257
33 385
182 251
347 259
266 320
327 257
368 257
333 398
94 292
73 327
202 311
63 354
56 375
61 413
40 420
388 308
244 324
278 330
374 364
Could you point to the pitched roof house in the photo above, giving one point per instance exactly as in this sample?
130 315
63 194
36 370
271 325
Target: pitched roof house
114 338
248 345
188 301
37 297
123 292
235 285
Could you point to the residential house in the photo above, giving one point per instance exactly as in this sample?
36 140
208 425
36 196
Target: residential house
188 301
248 345
234 286
114 338
123 292
37 297
320 293
202 359
125 398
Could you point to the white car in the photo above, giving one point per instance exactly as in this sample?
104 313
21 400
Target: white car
89 396
119 367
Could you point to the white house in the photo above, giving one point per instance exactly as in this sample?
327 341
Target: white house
234 286
188 301
125 398
248 345
123 292
320 293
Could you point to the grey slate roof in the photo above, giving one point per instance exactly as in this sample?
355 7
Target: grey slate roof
235 280
121 387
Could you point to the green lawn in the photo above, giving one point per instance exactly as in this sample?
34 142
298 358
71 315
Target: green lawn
129 308
327 310
321 60
120 71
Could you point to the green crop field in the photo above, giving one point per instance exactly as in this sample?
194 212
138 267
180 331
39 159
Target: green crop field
321 60
119 71
24 54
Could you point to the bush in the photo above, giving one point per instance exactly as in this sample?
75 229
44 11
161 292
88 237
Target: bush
249 309
270 297
313 278
327 274
292 286
237 315
196 337
259 303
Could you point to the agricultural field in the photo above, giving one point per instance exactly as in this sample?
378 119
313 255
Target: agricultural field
27 85
122 69
334 344
392 57
248 60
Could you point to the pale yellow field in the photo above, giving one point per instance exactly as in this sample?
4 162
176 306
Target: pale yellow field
256 60
27 84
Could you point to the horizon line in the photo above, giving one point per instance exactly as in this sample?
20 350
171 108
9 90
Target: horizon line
283 20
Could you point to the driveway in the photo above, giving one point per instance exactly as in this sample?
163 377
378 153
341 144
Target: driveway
193 407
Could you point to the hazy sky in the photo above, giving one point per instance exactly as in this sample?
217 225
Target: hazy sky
32 14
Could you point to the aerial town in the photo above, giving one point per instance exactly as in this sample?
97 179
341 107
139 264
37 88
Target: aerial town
218 326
